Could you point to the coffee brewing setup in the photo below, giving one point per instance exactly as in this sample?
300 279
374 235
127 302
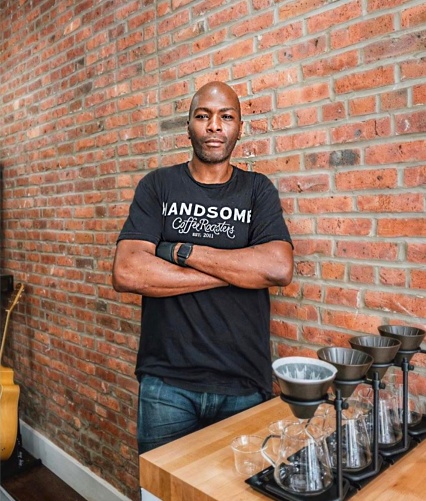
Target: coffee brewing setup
304 384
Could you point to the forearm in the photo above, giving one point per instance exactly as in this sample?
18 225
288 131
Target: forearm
139 271
256 267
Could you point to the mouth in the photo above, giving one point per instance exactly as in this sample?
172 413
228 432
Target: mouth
214 142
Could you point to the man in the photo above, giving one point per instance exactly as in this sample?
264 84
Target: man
202 243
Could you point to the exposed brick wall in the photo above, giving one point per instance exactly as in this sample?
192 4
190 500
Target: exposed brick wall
94 94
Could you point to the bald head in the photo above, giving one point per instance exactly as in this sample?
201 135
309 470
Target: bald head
216 90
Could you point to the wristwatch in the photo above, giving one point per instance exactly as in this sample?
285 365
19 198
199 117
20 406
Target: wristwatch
183 253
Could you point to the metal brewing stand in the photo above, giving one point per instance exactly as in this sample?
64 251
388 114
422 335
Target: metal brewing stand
340 489
417 432
360 478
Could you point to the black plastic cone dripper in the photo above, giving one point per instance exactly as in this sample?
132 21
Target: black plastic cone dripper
411 337
352 366
382 349
303 382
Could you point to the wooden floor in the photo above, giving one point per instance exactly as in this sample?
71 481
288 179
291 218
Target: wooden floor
35 482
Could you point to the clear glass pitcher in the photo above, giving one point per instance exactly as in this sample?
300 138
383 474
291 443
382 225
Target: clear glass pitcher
390 429
356 443
303 463
394 383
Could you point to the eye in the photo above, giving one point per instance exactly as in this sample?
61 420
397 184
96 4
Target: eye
201 116
228 117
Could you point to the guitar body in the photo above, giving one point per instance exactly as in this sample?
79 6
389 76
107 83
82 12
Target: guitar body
9 391
9 398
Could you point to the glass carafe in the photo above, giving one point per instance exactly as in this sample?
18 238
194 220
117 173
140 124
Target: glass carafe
356 443
390 429
303 464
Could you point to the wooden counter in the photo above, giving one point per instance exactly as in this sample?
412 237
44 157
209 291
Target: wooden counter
200 466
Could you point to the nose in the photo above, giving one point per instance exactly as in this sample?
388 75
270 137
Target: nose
214 124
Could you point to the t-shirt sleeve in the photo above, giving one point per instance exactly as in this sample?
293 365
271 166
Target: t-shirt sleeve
267 217
144 221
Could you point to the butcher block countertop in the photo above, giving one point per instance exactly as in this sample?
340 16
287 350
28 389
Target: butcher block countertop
200 466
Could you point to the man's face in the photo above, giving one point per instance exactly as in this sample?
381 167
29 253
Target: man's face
214 124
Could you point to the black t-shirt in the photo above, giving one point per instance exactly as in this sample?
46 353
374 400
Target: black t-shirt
215 340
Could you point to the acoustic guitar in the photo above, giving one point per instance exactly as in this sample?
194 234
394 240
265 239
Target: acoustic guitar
9 391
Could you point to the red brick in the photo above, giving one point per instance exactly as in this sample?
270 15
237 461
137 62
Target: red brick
312 292
278 164
256 105
234 52
343 226
332 17
299 7
325 337
283 329
415 176
304 50
367 179
397 46
414 227
300 226
393 100
308 247
302 184
364 30
413 68
406 304
411 123
257 65
326 160
210 40
362 106
360 323
419 94
342 296
333 203
331 65
332 271
396 153
173 22
361 273
297 311
370 79
393 276
252 25
281 121
301 140
414 16
235 11
418 279
307 116
410 202
281 35
382 251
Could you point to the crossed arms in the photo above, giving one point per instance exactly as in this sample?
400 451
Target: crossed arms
137 269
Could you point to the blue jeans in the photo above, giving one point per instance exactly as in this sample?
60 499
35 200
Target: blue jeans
167 412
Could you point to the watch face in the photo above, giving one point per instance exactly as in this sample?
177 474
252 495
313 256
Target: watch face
183 254
185 250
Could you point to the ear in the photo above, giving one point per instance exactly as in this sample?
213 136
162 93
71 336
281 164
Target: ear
241 130
187 130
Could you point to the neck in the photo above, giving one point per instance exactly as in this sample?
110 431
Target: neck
210 173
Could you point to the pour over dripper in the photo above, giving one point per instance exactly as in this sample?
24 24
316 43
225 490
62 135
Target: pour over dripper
303 382
410 338
382 349
352 365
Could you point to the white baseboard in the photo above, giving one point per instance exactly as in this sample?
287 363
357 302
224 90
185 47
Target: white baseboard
4 496
73 473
